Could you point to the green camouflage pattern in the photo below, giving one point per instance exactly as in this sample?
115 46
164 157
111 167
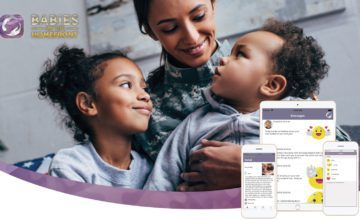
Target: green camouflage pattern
175 93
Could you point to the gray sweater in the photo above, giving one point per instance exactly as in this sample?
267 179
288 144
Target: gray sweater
213 121
83 164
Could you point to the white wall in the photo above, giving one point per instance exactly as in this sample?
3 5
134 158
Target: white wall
29 126
339 35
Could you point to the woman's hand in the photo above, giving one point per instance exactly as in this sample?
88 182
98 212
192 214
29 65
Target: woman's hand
215 166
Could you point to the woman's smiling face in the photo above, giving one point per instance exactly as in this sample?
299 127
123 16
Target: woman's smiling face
185 29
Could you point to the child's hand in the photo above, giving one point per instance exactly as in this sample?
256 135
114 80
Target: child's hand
215 166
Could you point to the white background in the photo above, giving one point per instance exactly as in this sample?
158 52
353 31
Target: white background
23 200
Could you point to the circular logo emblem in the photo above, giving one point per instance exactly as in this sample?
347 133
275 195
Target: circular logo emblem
11 26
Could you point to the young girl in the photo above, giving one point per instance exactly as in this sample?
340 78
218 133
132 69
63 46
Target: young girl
106 103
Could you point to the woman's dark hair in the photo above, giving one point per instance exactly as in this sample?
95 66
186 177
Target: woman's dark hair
71 72
300 60
142 8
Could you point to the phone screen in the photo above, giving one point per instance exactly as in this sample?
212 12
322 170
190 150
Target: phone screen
340 177
299 134
259 175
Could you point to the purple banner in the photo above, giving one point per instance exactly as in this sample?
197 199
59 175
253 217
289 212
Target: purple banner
298 114
221 199
259 157
340 152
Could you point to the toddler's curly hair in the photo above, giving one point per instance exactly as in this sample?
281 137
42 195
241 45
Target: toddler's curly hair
300 59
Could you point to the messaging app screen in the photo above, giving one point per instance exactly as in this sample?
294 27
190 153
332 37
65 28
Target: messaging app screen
299 135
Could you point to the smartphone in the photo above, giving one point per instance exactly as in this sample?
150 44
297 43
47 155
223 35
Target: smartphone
341 178
259 170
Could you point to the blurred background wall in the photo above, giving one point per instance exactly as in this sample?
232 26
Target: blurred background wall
30 127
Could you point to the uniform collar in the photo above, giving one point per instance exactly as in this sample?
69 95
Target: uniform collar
199 74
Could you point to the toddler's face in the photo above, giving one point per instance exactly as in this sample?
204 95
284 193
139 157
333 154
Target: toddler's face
122 102
240 75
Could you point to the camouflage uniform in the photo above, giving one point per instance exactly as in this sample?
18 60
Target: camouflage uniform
176 92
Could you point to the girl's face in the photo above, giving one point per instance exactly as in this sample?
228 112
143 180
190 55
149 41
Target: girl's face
185 29
121 100
240 75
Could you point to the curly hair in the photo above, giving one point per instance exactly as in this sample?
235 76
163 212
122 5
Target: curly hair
71 72
300 59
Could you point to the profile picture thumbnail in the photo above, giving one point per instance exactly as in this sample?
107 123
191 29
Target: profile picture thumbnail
268 124
267 169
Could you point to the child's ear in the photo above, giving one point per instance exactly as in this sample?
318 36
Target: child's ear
85 104
274 86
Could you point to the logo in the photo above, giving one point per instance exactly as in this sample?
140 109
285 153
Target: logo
11 26
54 26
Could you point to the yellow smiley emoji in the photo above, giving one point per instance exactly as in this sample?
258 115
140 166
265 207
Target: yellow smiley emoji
317 180
316 198
318 133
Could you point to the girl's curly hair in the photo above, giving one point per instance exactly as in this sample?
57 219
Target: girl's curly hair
72 72
300 60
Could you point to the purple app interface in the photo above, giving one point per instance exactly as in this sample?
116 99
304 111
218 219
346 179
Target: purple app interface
11 26
299 135
259 181
340 177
